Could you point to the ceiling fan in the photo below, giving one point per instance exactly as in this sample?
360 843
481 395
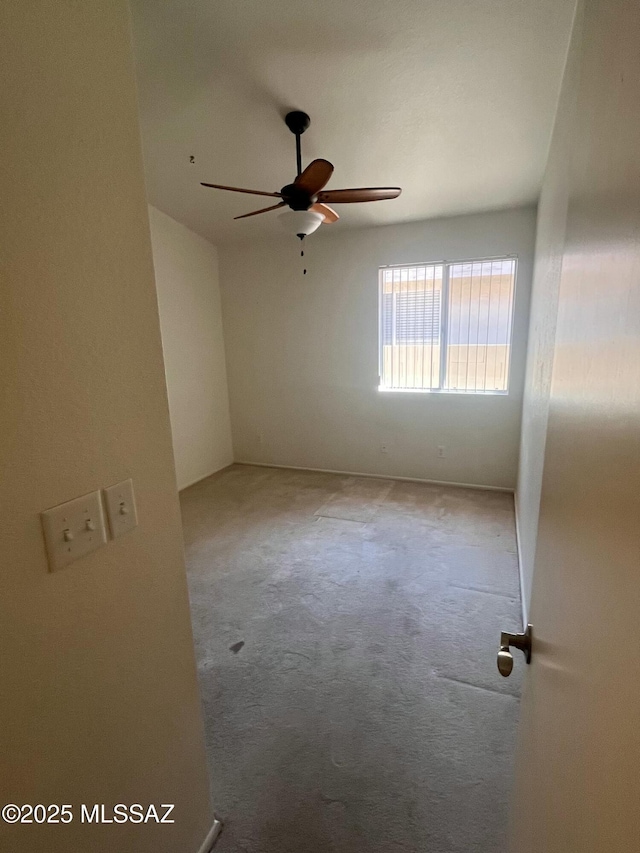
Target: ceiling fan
306 197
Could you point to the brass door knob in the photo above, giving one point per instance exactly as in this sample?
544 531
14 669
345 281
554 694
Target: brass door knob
518 641
505 661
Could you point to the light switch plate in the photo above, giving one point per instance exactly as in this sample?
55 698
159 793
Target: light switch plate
121 508
73 529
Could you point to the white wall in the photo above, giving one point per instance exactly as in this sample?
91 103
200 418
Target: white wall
98 699
302 354
551 226
186 269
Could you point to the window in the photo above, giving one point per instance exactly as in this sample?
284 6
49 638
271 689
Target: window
447 326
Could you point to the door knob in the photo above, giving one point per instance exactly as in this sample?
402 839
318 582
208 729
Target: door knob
518 641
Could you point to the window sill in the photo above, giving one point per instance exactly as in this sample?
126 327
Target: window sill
443 391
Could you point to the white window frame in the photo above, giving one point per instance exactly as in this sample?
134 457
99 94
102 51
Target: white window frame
444 328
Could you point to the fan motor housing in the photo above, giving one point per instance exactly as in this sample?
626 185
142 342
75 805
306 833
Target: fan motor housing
297 198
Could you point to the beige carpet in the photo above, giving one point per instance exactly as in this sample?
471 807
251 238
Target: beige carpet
346 633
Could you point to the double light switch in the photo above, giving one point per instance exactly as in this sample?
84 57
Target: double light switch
76 528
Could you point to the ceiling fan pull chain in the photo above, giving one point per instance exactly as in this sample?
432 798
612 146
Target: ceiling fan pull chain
301 236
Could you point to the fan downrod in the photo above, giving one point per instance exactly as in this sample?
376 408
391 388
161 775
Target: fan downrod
297 122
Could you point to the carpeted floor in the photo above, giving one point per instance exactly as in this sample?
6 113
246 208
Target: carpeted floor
346 633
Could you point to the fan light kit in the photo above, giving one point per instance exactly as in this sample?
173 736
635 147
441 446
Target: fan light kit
306 197
301 222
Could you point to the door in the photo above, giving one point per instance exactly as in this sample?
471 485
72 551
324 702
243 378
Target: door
578 777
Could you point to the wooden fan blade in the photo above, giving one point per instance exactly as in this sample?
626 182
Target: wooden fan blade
240 190
315 176
264 210
356 195
328 212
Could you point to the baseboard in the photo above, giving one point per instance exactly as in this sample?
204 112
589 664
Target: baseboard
523 600
379 476
211 838
205 477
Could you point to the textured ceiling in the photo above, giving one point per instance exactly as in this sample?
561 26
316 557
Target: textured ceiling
453 100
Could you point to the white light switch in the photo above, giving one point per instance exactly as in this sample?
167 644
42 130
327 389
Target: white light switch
121 508
73 529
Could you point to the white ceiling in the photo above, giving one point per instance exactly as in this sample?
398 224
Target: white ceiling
453 100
